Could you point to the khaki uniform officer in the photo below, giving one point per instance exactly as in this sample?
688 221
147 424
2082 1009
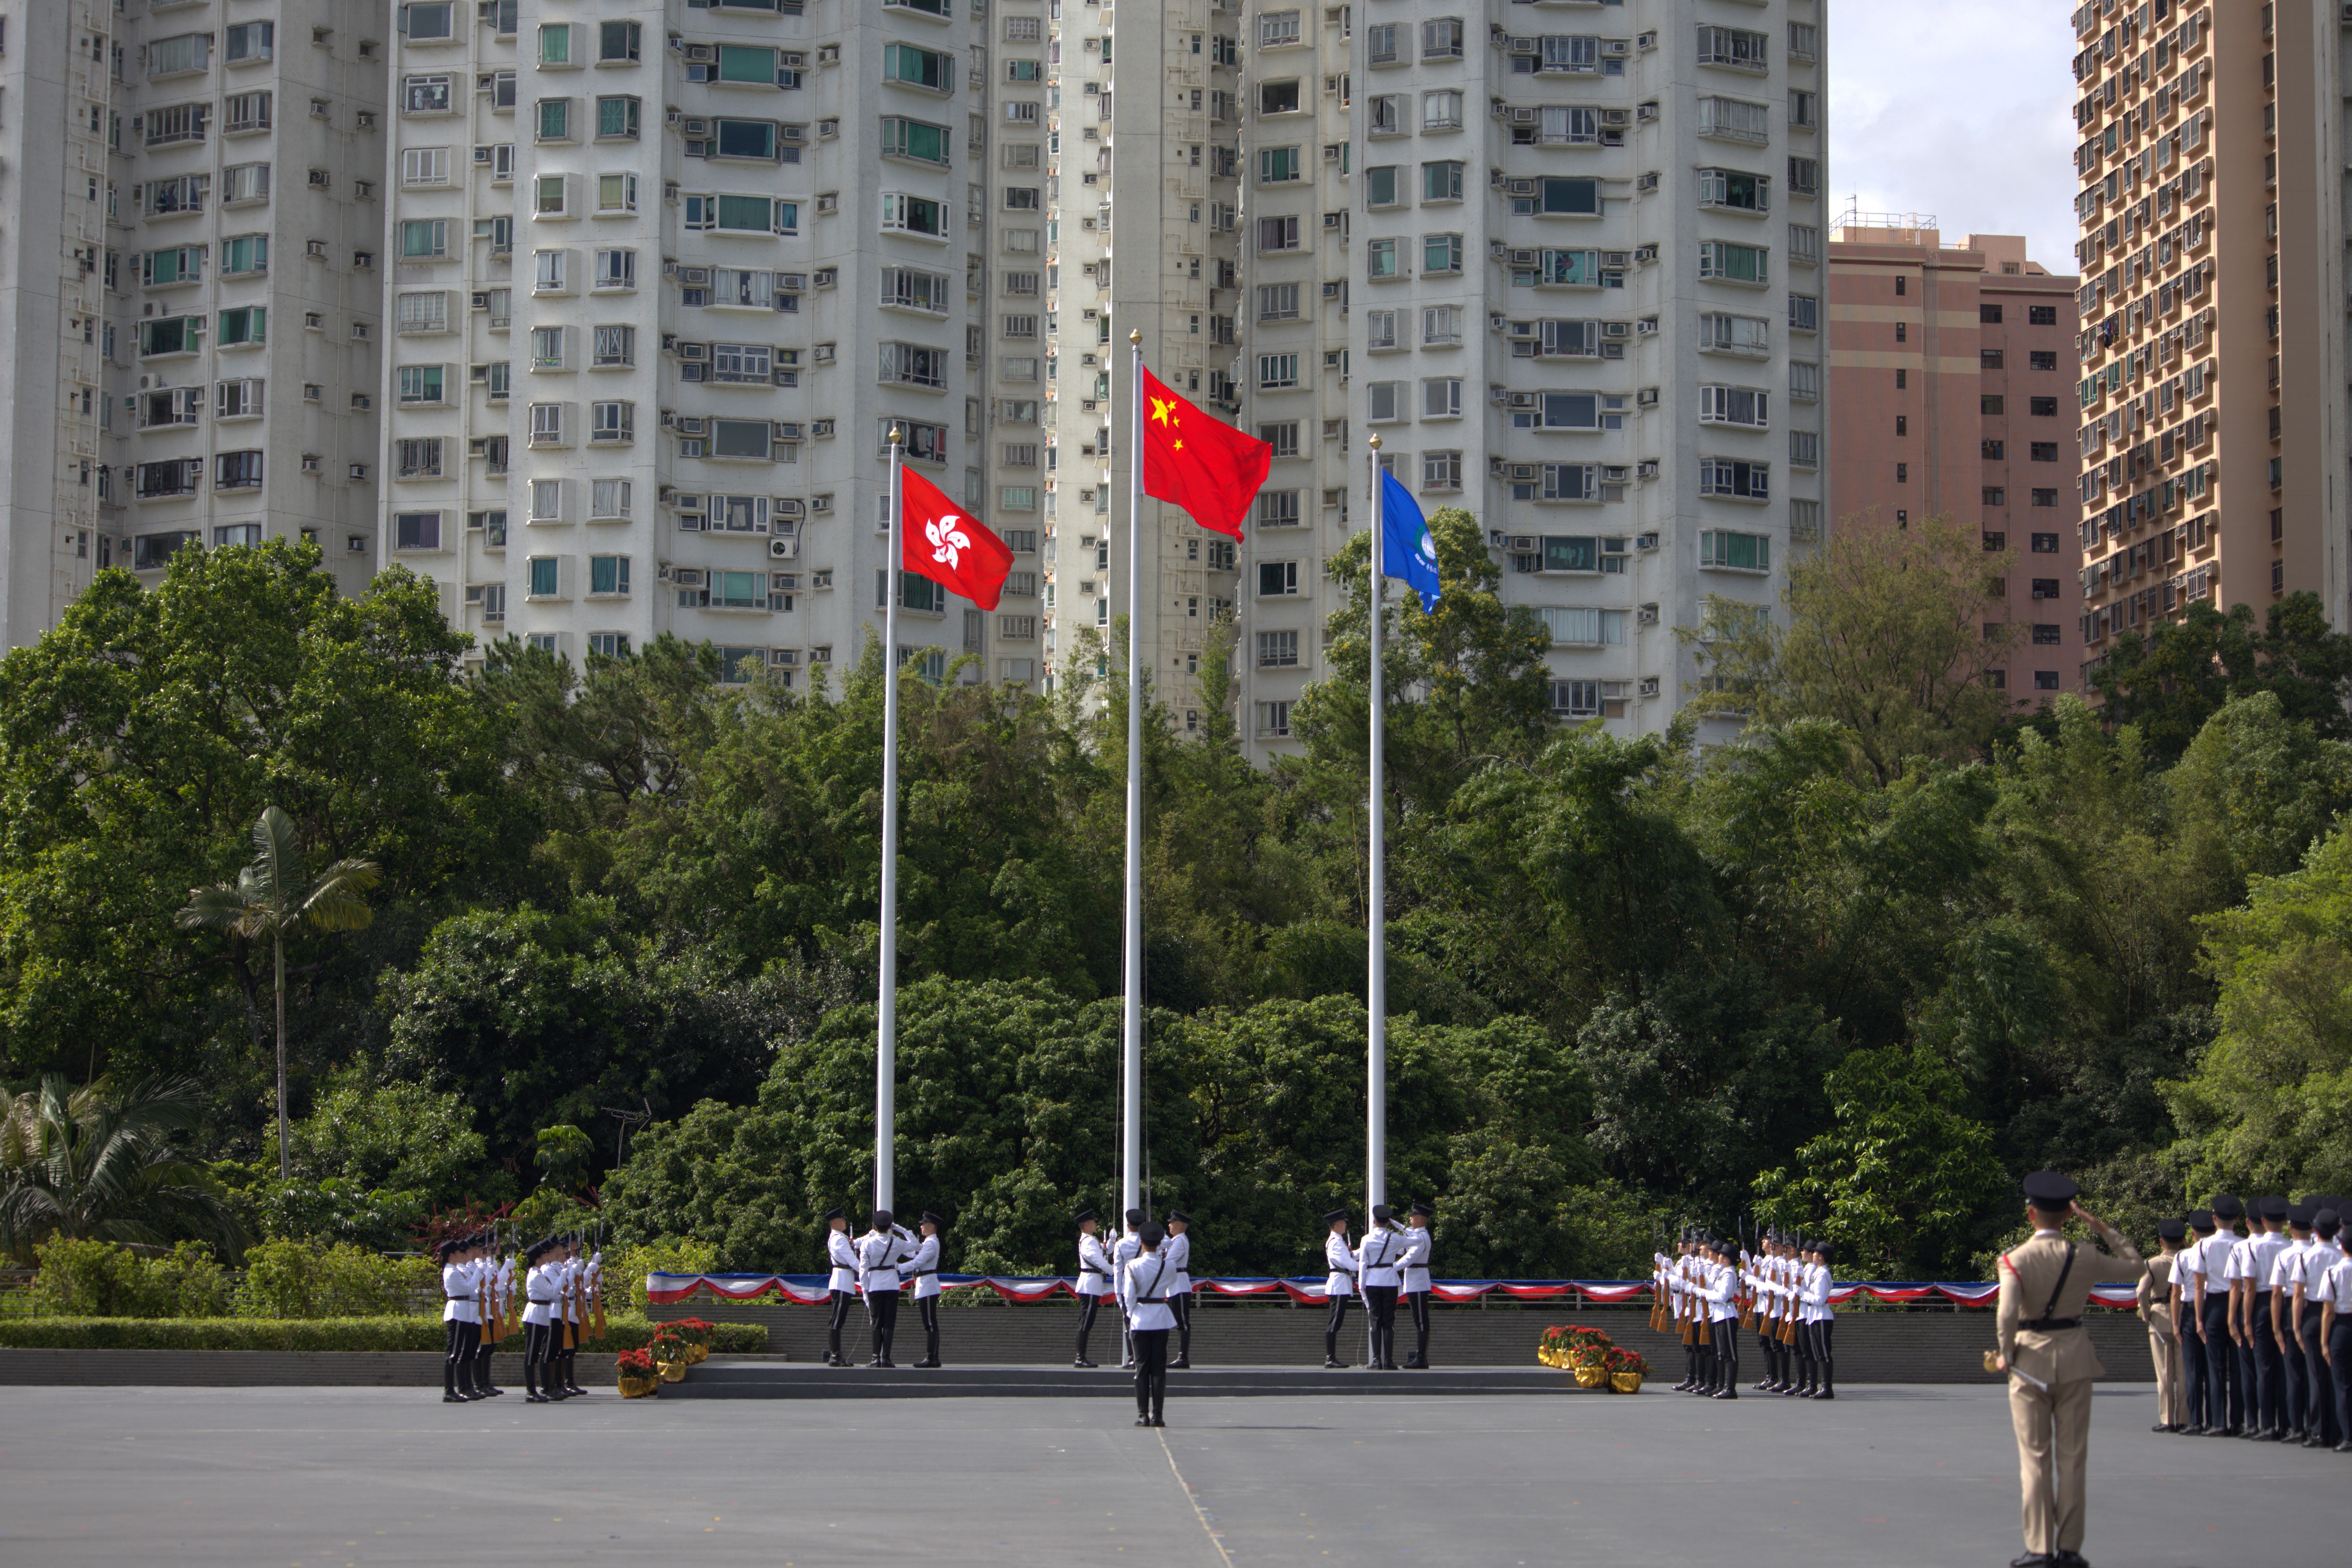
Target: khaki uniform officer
2163 1341
2045 1282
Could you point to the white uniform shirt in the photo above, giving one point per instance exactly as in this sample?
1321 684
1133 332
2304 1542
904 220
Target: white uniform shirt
2286 1267
1143 1294
1094 1277
1339 1259
539 1291
1813 1294
1376 1259
1412 1263
2213 1261
843 1256
922 1266
2335 1285
460 1281
567 1300
1721 1288
2317 1259
1176 1251
2261 1258
880 1253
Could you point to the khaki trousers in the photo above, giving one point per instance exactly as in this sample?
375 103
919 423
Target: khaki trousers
2054 1447
2164 1350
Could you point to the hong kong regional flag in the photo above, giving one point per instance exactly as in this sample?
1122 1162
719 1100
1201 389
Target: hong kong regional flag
937 541
1204 466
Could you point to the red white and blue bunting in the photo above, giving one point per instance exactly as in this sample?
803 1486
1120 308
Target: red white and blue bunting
808 1290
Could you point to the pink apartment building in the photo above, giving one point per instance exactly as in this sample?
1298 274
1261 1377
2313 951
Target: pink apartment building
1952 392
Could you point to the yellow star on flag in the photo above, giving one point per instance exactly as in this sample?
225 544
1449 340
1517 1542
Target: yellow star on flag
1160 407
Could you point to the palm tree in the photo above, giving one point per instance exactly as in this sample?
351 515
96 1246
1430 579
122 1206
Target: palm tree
93 1163
274 895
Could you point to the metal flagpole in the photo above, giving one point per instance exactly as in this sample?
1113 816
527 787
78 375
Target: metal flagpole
1376 988
1131 1018
885 1045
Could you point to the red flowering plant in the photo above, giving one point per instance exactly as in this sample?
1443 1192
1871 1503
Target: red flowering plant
1618 1358
635 1364
1572 1348
695 1331
668 1343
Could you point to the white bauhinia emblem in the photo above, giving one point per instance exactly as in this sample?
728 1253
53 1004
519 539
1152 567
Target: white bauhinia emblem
946 538
1426 548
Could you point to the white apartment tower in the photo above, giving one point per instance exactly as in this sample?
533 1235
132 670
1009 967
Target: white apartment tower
189 287
666 275
1564 255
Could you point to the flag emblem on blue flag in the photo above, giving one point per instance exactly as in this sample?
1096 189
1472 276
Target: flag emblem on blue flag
1407 552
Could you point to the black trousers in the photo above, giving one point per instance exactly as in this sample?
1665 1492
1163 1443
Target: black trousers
1825 1354
2270 1369
1331 1325
2339 1344
929 1306
2327 1412
1088 1307
534 1353
2291 1372
1150 1371
1181 1307
457 1360
841 1299
1726 1332
883 1305
1380 1300
1418 1301
2225 1400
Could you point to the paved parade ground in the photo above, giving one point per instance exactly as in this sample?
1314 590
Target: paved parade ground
311 1477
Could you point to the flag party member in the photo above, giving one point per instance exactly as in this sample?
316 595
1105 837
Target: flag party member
1407 551
938 540
1204 466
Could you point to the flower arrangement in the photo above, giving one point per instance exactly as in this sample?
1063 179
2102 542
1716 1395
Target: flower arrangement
1573 1348
638 1375
698 1334
1620 1360
672 1351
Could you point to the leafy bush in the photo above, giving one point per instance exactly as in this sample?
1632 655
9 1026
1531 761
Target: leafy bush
299 1279
625 1267
387 1333
334 1208
100 1279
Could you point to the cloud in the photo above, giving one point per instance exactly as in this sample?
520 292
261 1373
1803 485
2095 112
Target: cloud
1962 110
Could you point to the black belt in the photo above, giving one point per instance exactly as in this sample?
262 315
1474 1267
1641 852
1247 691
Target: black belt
918 1273
1090 1268
2047 1325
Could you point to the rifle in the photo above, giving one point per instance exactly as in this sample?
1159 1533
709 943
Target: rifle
597 1263
486 1306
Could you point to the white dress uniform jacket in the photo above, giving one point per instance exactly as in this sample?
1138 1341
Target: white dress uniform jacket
1412 1262
840 1253
1177 1253
880 1253
922 1267
460 1284
538 1288
1094 1278
1143 1294
1814 1294
1341 1259
1376 1259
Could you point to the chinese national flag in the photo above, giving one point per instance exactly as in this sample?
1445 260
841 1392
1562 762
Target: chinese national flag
1204 466
936 540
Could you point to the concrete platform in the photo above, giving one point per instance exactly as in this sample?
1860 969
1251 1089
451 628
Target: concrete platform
752 1378
311 1477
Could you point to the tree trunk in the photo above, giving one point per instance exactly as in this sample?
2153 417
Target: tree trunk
279 940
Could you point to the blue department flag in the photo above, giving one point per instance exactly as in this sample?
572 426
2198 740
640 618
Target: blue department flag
1407 552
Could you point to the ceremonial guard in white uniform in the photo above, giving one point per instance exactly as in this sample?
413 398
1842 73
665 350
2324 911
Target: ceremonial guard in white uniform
1678 1300
1413 1270
1722 1296
923 1269
1818 1322
1177 1253
880 1253
1338 1283
2336 1328
2325 1424
1123 1252
461 1321
538 1314
841 1283
1095 1279
1143 1296
570 1317
1377 1277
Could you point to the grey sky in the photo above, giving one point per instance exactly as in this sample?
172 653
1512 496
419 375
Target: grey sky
1957 107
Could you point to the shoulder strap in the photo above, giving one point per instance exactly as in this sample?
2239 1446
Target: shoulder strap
2049 1307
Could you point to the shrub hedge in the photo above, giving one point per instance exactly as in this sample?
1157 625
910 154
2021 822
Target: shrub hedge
417 1333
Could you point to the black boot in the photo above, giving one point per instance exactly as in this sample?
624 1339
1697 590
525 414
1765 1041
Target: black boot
449 1394
1828 1389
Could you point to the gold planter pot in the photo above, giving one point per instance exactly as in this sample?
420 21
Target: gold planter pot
696 1354
640 1387
1591 1377
672 1370
1625 1382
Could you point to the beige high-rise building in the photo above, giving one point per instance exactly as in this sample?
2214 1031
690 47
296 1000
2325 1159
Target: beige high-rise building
2213 391
190 287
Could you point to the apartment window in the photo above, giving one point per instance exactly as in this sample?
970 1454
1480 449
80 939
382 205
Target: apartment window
1441 110
1441 182
1440 471
1276 372
1277 303
244 183
1277 650
245 325
614 346
2042 315
421 383
1733 478
180 123
1442 39
237 470
1993 451
244 113
915 140
910 66
1277 165
2042 359
1380 187
1990 359
1440 253
1278 579
430 23
1276 233
1720 550
912 215
1804 176
1804 109
1380 258
1804 380
619 42
542 577
555 118
417 458
1282 435
1735 189
1804 450
425 94
1734 405
423 239
608 575
616 118
1384 402
240 399
613 423
1274 718
416 530
1441 326
1735 119
1277 508
616 269
1720 333
1725 261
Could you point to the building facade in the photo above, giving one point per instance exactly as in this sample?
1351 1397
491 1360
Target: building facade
667 275
2213 250
1952 374
1573 277
190 288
